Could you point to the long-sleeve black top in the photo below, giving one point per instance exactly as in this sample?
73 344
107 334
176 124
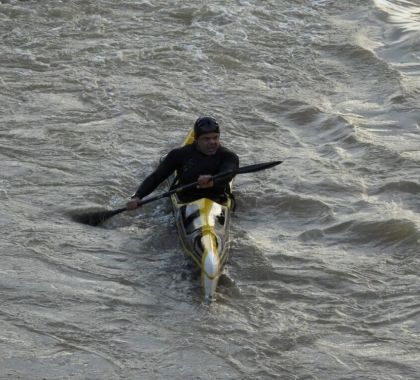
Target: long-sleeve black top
190 163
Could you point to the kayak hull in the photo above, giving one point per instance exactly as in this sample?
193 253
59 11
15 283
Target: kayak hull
203 229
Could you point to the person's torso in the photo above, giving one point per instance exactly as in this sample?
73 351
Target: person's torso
193 163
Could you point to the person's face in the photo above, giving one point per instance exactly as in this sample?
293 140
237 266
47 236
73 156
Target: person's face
208 143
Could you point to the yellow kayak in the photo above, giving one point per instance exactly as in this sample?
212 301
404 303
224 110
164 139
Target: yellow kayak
203 229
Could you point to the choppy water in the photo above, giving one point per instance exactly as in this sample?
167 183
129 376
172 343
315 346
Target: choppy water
325 248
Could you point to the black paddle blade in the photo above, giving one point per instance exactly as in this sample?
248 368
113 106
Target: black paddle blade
95 218
246 169
258 167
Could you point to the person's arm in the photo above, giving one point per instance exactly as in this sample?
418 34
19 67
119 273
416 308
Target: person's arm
163 171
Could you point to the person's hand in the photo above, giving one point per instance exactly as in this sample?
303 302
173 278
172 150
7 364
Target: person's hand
205 181
133 203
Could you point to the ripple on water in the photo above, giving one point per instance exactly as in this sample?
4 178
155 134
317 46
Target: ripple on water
392 233
404 187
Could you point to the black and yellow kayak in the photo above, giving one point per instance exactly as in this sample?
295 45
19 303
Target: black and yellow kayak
203 229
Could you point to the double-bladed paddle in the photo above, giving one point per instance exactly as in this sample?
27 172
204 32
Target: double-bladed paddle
96 218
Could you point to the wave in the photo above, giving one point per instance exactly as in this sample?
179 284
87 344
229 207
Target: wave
322 126
285 208
408 187
383 234
401 12
400 23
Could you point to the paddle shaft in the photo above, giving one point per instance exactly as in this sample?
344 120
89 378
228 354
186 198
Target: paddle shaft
214 178
96 218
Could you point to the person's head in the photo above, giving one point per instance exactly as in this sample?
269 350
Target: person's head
207 135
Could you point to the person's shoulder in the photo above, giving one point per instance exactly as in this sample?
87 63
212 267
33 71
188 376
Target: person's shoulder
188 147
180 149
226 151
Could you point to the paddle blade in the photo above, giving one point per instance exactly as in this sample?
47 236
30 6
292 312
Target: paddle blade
246 169
95 218
258 167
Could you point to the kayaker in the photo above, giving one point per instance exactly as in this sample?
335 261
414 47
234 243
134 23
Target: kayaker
194 162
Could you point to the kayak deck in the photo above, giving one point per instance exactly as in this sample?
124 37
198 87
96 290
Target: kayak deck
203 229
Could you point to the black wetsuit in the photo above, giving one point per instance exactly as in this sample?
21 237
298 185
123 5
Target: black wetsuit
190 163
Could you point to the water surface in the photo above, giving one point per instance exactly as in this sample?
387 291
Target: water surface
325 248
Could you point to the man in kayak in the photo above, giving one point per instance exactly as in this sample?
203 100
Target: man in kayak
198 161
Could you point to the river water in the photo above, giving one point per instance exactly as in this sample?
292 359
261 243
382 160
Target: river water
325 247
